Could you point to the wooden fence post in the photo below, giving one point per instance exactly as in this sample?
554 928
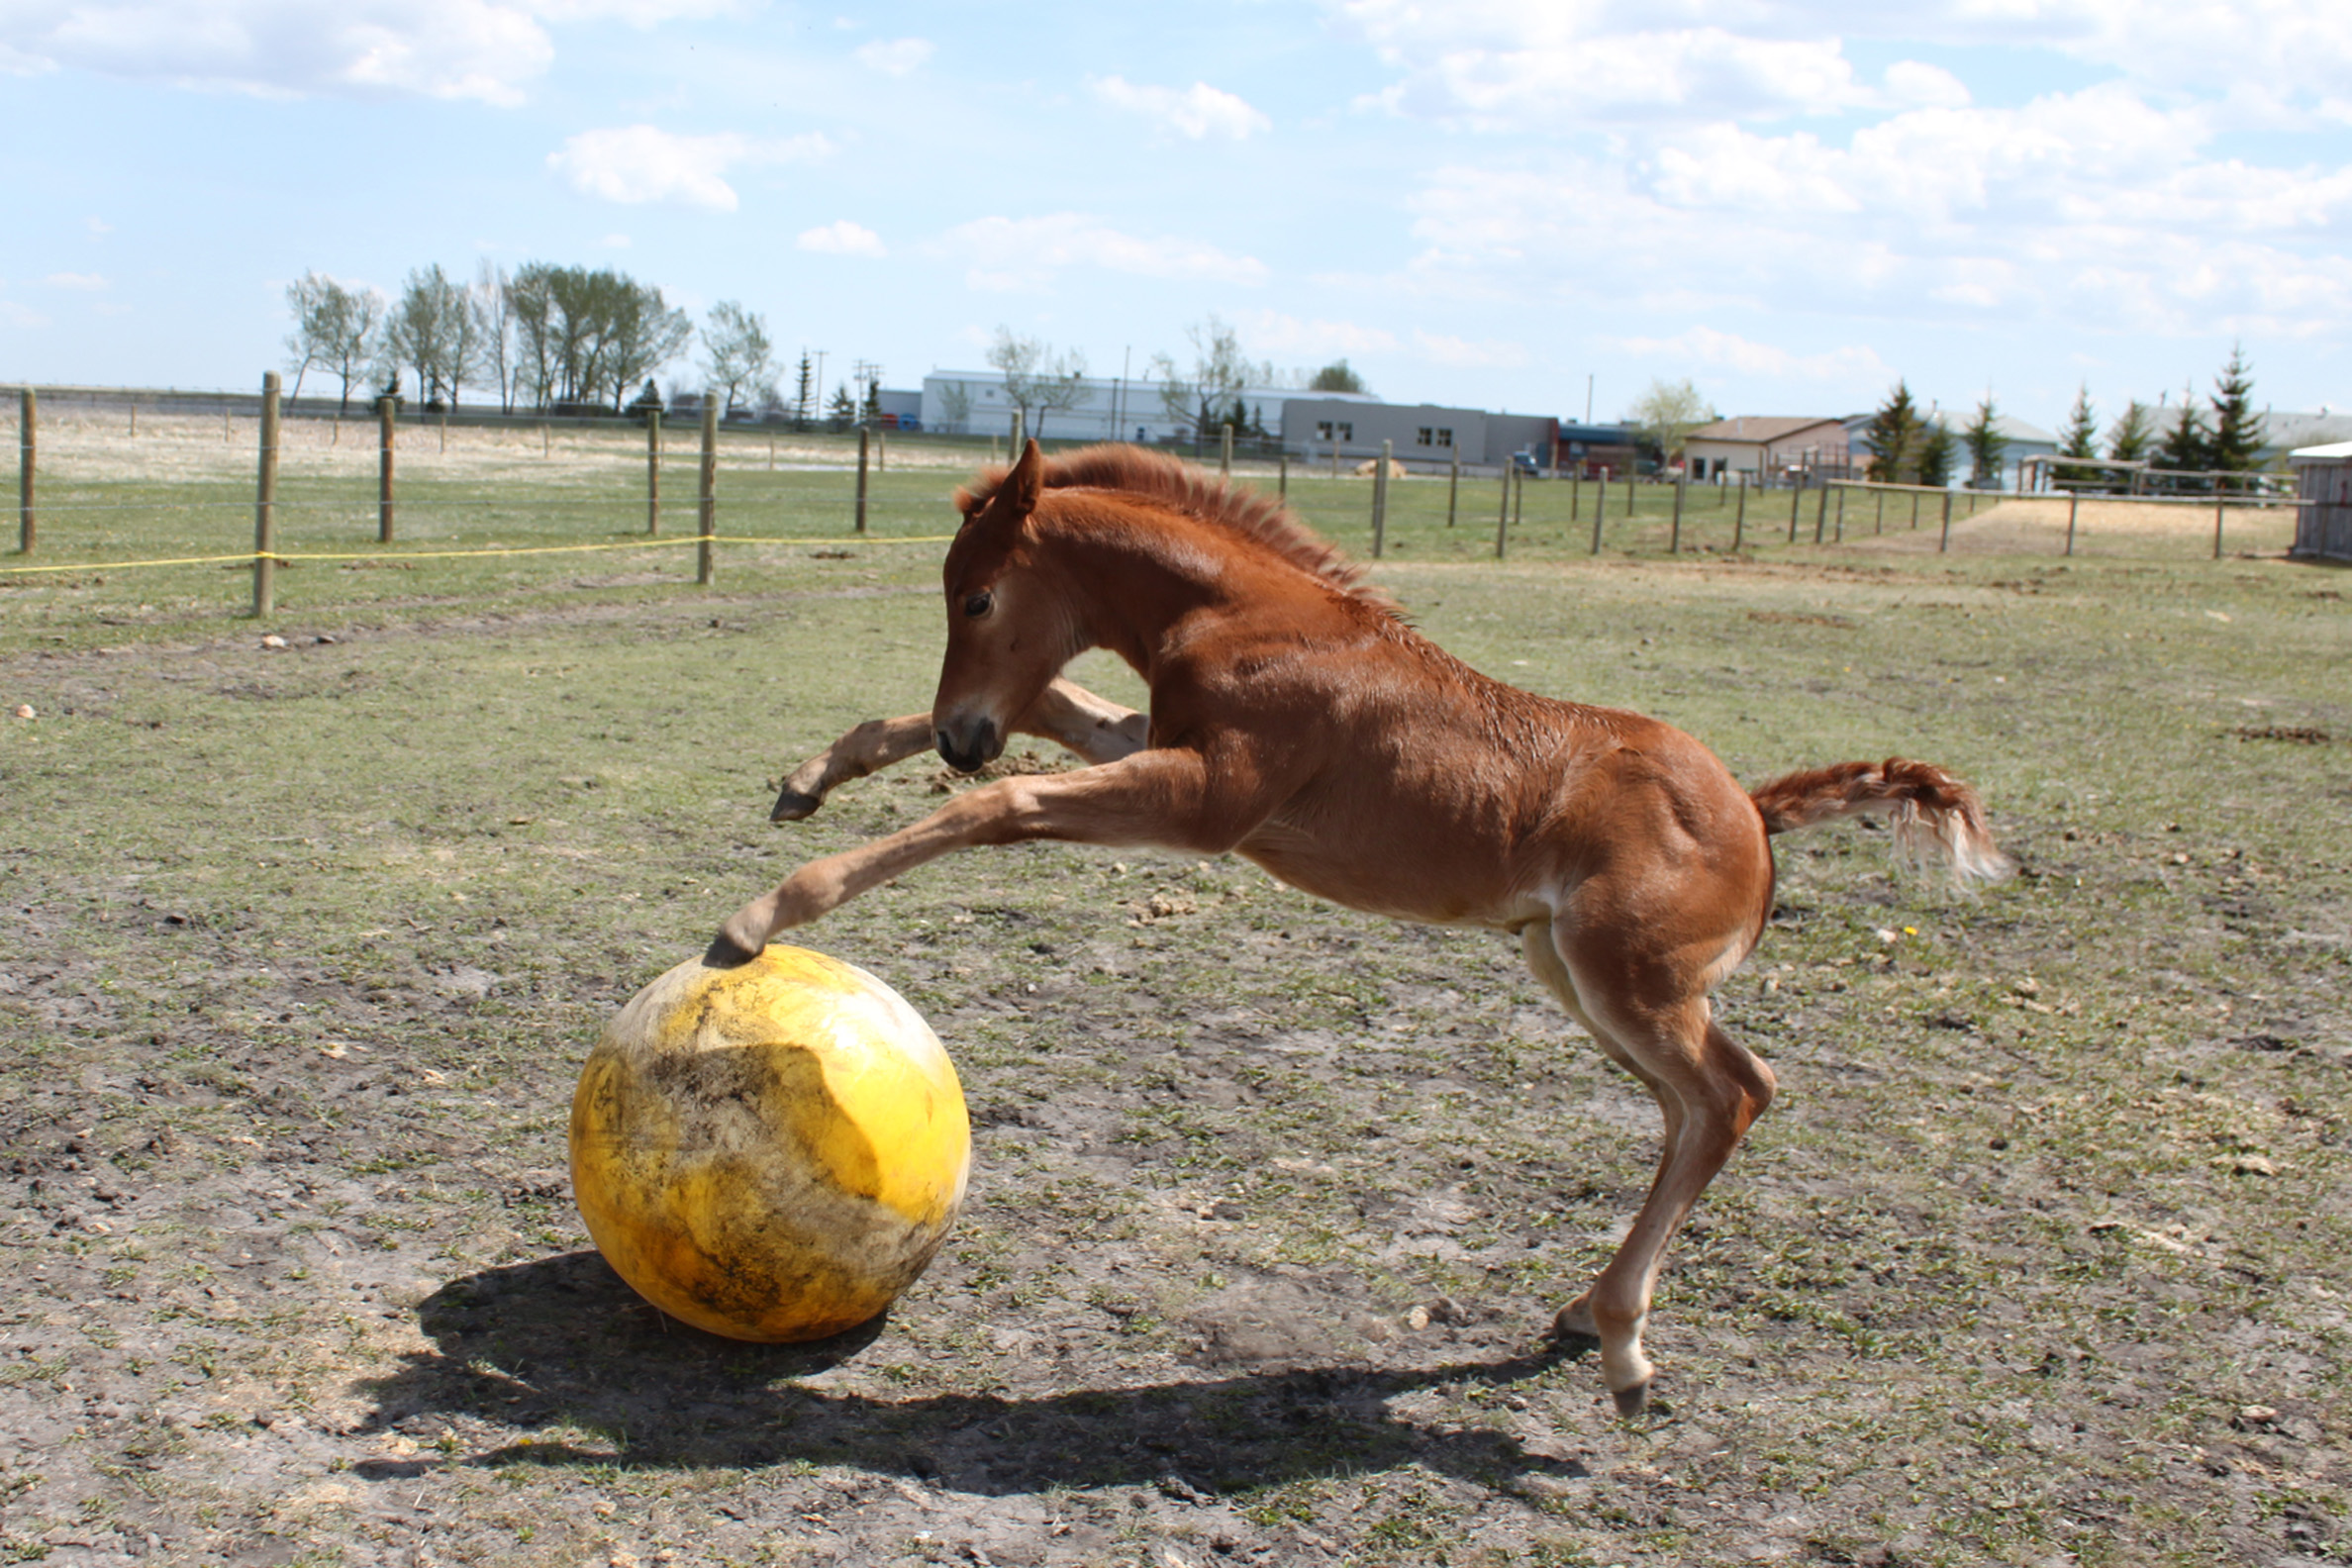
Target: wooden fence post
2074 499
1020 435
1454 488
652 470
1914 510
1674 534
1945 542
1334 457
1841 495
1380 478
1600 507
706 494
1628 495
881 451
385 408
1503 516
444 428
1282 476
1740 517
1518 493
1821 515
2220 499
1796 503
265 504
1224 450
28 412
1575 491
861 480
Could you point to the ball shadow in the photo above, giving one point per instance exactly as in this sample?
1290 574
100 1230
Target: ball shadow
563 1342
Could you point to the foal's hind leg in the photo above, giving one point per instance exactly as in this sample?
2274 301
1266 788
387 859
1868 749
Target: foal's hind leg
1709 1090
1097 729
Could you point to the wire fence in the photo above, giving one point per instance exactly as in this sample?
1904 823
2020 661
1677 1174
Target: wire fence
131 503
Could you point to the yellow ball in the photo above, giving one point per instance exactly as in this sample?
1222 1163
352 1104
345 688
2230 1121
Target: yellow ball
771 1151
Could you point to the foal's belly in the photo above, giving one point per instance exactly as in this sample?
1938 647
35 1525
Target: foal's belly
1396 878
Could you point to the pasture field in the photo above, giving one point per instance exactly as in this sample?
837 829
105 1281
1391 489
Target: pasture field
2042 1256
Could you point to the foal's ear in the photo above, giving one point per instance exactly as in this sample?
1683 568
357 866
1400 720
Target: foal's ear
1022 487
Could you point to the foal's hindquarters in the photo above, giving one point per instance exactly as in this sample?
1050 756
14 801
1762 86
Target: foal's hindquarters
1668 886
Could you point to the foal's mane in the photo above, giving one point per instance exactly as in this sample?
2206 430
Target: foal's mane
1195 493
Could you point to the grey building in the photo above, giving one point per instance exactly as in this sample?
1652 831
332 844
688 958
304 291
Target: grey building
1426 434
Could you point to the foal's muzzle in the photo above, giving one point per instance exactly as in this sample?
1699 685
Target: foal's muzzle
969 745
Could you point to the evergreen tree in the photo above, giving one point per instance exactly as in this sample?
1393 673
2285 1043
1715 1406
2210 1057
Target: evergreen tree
2188 446
843 412
803 394
1936 447
2079 438
2235 446
1986 443
2132 435
1894 435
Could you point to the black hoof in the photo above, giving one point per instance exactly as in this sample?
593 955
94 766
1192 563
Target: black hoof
1632 1402
725 952
792 806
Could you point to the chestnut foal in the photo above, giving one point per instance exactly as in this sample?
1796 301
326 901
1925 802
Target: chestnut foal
1298 721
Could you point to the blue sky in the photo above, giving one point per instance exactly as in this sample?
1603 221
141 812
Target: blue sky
1483 203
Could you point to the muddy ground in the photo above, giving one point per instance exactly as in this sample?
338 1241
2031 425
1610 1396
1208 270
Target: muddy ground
2041 1257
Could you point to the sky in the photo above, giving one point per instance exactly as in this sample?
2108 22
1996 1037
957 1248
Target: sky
1532 205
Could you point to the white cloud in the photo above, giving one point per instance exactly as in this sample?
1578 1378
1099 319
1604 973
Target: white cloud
1494 353
14 314
98 226
614 241
1197 113
842 238
1007 254
1851 366
644 164
80 282
486 50
896 58
1269 332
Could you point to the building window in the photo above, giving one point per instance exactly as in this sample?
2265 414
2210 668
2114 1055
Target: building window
1425 437
1322 430
1346 430
1445 437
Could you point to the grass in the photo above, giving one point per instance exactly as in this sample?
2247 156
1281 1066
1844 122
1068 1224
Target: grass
302 946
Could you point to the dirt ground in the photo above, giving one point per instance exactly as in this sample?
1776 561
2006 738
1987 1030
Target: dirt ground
2041 1258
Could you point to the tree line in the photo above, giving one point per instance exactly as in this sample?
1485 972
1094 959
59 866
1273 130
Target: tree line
1201 398
559 340
2188 450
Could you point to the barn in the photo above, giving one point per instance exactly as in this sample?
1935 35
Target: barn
2324 522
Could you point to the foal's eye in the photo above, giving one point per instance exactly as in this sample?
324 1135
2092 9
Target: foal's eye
979 604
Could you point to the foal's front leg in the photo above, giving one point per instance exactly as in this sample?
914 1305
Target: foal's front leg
1095 727
1153 797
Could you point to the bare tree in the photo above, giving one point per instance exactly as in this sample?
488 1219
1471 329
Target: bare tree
955 403
1666 415
739 359
1210 394
431 331
335 327
491 305
1037 378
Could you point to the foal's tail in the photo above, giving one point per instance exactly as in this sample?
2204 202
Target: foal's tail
1935 816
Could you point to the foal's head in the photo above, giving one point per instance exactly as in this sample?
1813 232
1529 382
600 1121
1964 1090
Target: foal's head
1008 630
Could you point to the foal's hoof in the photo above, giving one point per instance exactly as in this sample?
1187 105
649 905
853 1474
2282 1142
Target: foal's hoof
1575 1321
1632 1402
791 806
725 952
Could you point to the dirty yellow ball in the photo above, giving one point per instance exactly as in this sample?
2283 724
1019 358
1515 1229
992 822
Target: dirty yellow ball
770 1151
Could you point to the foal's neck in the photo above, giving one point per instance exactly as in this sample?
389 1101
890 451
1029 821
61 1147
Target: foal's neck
1131 584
